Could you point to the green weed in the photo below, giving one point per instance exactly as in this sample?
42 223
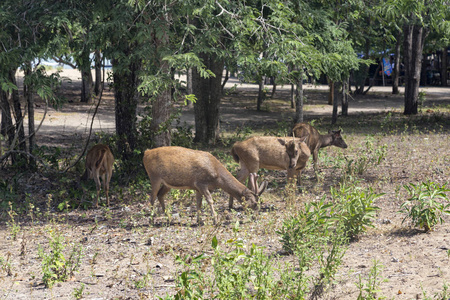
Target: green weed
424 206
368 290
354 208
55 266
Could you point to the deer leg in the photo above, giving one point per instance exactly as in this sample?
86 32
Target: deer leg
97 184
315 155
156 184
161 193
198 197
108 179
208 197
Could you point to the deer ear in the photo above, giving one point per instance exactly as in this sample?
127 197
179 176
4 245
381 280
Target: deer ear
282 142
303 139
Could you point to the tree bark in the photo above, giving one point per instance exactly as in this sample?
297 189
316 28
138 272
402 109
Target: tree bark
336 89
84 65
362 73
444 64
274 87
19 130
396 71
413 43
7 128
299 98
98 73
292 96
126 98
261 94
161 111
208 93
28 93
225 80
345 85
330 92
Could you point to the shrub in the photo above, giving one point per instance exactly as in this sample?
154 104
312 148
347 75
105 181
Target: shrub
423 206
354 208
55 266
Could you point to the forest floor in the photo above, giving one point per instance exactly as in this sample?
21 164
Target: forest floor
126 257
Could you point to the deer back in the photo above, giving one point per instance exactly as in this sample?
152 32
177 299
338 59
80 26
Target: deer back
306 130
268 152
100 158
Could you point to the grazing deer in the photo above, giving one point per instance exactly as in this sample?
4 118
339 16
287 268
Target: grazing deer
315 140
271 153
182 168
99 163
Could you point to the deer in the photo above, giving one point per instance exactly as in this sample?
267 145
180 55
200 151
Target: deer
315 140
99 163
272 153
173 167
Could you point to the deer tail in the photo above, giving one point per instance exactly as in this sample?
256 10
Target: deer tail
101 156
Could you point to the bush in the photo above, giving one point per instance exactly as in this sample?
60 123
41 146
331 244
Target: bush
423 206
55 266
354 208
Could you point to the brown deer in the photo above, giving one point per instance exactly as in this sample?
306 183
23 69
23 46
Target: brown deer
99 163
315 140
271 153
182 168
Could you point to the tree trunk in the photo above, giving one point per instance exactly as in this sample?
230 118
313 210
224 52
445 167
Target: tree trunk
396 71
7 128
126 82
336 88
274 87
28 93
19 130
189 89
345 85
361 73
225 80
98 73
208 93
330 92
444 63
84 65
299 98
292 96
161 111
261 94
414 37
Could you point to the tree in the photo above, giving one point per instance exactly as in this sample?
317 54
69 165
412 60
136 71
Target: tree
417 19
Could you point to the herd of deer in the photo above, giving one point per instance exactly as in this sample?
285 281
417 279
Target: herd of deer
182 168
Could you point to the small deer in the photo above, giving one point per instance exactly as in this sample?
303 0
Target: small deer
99 163
182 168
315 140
272 153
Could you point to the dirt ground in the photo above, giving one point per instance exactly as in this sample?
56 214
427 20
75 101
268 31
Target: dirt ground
124 257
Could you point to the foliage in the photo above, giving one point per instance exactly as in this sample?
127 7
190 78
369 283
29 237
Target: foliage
424 206
368 290
367 157
443 295
317 241
354 208
55 266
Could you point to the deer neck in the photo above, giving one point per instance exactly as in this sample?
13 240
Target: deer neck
232 186
325 140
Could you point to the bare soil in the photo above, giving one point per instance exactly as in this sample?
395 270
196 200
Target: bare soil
125 257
